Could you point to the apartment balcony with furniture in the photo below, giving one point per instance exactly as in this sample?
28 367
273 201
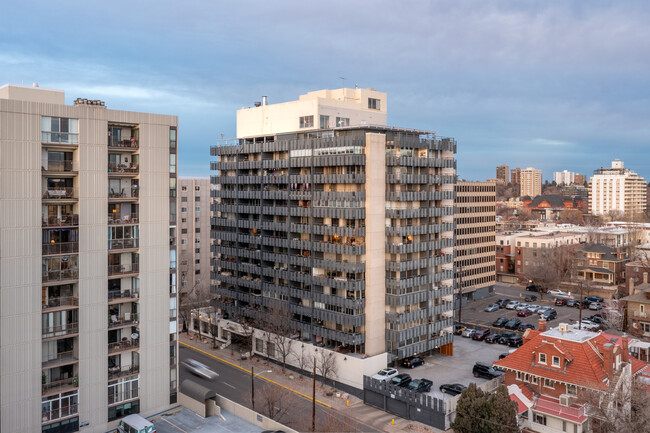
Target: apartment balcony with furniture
123 191
123 169
58 269
59 167
124 345
60 193
123 364
60 379
59 353
64 220
119 297
123 138
62 330
60 303
121 315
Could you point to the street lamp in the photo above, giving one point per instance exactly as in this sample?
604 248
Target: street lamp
253 383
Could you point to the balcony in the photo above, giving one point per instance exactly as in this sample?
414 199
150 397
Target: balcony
124 194
60 248
60 193
59 331
127 319
126 219
61 358
52 166
59 413
61 303
125 296
124 345
59 386
60 138
60 275
124 145
123 244
69 220
642 314
123 169
123 269
117 372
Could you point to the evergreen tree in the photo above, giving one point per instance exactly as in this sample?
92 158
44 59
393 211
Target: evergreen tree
504 412
479 412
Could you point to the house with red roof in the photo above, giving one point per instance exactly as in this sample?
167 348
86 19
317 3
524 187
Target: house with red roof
552 374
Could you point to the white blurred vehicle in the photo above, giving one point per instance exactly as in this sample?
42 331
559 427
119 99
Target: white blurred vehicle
557 292
201 370
385 374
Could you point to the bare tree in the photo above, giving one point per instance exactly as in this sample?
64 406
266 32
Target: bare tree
614 314
275 400
551 267
571 216
325 364
190 300
302 360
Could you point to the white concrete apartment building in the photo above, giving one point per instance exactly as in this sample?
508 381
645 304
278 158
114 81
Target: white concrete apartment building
194 237
564 177
87 262
475 236
617 190
323 211
531 182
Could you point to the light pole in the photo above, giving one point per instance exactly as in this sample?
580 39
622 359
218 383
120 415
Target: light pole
253 383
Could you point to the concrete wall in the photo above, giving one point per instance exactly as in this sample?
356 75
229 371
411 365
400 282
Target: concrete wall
251 416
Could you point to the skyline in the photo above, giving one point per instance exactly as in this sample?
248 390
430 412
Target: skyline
555 87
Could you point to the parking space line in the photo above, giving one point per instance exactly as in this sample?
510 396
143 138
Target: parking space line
171 423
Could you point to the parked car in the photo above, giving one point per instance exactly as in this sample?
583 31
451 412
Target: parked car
500 322
524 326
402 379
597 319
543 310
524 313
503 339
585 304
534 308
522 306
467 333
530 298
560 301
596 306
512 305
515 341
557 292
485 371
513 323
480 335
532 287
385 374
420 385
589 325
412 362
503 355
502 303
573 303
549 315
492 338
452 388
594 299
135 424
458 329
491 308
199 369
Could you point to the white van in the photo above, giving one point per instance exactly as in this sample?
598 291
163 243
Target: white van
135 424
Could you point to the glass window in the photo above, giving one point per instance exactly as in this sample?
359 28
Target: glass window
556 361
172 137
172 163
59 130
172 187
374 104
324 122
342 121
306 121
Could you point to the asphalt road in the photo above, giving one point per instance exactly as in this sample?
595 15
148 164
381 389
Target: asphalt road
235 384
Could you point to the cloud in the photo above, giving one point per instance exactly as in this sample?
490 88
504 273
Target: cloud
549 143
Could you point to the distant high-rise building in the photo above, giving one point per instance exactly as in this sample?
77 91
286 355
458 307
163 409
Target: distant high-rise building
580 179
503 173
475 236
563 177
617 189
515 176
323 211
531 182
88 262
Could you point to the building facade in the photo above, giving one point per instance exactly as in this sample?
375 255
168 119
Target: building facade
193 209
87 258
563 177
324 212
531 182
503 174
617 190
515 176
475 237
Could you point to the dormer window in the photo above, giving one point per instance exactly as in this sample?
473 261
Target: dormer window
556 361
542 358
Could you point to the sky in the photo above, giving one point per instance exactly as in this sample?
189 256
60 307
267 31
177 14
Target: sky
555 85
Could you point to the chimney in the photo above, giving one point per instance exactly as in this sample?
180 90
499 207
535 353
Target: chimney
607 350
541 326
264 101
625 356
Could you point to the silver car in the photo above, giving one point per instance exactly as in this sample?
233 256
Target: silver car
201 370
512 305
385 374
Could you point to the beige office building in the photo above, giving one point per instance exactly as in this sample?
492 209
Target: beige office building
503 174
475 236
325 212
617 190
194 238
531 182
87 262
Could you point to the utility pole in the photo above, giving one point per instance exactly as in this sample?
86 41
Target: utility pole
580 309
252 387
313 400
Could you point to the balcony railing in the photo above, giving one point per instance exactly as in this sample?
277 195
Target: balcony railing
118 397
58 166
62 412
117 372
122 244
60 330
126 319
60 137
61 193
643 314
123 168
127 268
62 275
60 385
64 221
123 345
123 193
124 144
60 248
127 294
64 301
126 219
61 358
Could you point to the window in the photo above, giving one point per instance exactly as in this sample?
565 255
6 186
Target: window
539 418
645 326
197 198
571 389
542 358
324 122
197 261
548 383
342 121
197 188
172 187
183 209
197 272
184 188
183 231
556 361
197 230
123 410
306 121
534 380
197 209
197 240
183 199
172 137
59 130
184 242
519 375
122 390
172 163
374 104
197 250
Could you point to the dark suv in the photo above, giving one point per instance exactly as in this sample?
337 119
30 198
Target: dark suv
485 371
412 363
560 301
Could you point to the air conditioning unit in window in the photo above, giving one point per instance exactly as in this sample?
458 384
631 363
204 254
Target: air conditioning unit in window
565 400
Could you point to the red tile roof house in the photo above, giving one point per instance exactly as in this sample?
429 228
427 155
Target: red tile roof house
551 374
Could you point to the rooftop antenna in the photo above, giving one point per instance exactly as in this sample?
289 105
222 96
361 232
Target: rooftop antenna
342 81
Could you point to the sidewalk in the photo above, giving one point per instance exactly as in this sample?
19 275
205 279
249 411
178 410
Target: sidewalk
302 385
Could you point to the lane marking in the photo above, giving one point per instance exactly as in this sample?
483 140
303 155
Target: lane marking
227 384
249 372
165 414
166 420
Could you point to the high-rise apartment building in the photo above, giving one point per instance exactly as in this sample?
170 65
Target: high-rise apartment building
194 237
617 189
530 183
515 176
580 179
475 233
503 172
323 211
87 262
563 177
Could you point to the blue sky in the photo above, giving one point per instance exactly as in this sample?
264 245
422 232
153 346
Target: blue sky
550 84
